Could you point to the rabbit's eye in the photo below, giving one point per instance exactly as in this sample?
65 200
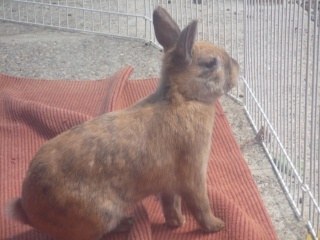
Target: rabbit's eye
211 63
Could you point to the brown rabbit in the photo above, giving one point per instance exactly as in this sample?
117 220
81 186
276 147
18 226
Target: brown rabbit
80 183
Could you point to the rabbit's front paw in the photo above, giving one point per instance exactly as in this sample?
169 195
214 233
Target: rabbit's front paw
214 226
176 221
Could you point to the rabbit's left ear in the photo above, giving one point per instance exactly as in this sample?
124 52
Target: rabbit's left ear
186 40
166 29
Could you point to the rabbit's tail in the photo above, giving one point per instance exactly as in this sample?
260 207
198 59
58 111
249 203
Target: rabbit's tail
14 210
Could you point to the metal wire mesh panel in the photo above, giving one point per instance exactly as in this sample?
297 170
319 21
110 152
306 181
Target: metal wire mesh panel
281 94
118 18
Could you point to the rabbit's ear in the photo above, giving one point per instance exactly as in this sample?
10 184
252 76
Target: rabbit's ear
186 40
166 29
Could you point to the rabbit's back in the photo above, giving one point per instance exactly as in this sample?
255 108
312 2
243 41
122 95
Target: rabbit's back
123 156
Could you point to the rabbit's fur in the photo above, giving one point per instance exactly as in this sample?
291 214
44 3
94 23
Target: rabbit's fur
80 183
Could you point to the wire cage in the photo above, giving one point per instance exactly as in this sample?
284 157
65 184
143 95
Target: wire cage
276 43
282 95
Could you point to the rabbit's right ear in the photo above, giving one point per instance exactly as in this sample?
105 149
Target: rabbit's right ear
166 29
186 40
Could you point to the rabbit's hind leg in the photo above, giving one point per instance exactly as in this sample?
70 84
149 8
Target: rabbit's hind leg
171 207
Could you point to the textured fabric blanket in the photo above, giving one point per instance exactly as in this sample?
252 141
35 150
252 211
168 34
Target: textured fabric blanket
33 111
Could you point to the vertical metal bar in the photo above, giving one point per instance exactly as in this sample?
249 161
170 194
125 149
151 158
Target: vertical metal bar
151 25
208 26
297 112
197 16
59 17
289 97
186 11
257 56
313 106
27 12
289 100
224 22
135 7
213 26
245 39
119 19
237 33
50 9
145 21
248 62
268 64
278 77
67 13
250 16
286 84
272 75
294 108
75 15
181 13
197 9
83 16
92 17
258 65
11 12
218 7
171 11
300 111
150 22
306 136
251 43
262 61
19 17
191 7
252 49
174 6
231 12
282 80
255 59
246 67
263 66
202 20
100 15
275 67
42 12
34 12
317 75
152 31
110 17
128 17
4 12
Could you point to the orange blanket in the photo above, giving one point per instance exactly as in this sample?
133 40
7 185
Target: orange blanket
33 111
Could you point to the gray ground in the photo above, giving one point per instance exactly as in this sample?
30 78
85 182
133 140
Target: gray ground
35 52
